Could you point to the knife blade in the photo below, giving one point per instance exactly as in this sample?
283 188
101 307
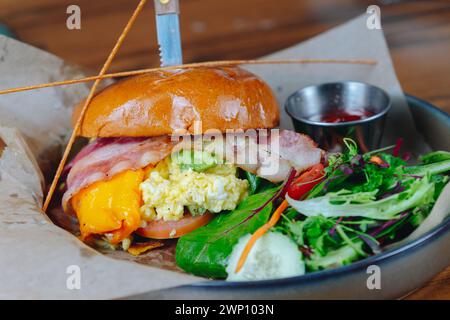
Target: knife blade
168 32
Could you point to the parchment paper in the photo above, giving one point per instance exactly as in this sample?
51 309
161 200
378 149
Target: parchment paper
34 253
352 40
36 257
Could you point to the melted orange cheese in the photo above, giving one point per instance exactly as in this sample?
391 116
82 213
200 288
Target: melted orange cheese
111 207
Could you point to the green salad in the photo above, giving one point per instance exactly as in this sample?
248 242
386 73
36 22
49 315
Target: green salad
350 207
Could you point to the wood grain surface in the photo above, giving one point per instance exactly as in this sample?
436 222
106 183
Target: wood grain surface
418 33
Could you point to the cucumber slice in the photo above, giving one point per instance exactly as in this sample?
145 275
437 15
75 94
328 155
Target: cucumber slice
274 255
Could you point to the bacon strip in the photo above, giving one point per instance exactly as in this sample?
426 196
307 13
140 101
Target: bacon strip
298 150
268 154
282 151
106 157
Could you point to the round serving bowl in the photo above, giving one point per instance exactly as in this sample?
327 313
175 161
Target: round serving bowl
402 270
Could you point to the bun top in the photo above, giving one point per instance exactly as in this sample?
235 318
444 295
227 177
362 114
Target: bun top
158 103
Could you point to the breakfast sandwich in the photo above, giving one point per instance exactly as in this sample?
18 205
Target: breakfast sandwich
141 176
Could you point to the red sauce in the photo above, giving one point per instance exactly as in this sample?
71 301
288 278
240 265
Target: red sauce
337 116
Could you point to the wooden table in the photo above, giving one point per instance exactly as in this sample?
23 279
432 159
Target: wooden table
418 33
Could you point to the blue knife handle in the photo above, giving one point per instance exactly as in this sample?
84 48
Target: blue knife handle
168 31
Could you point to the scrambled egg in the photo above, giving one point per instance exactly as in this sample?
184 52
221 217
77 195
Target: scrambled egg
169 189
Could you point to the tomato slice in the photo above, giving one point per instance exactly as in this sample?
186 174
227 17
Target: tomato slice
160 229
306 181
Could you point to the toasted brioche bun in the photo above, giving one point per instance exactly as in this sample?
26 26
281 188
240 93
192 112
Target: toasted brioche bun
158 103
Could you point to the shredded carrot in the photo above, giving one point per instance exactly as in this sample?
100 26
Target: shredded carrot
259 233
376 160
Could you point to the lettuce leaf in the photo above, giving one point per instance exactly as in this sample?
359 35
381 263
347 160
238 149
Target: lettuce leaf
435 156
334 259
429 168
346 204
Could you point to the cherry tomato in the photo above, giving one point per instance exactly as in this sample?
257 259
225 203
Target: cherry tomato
306 181
160 229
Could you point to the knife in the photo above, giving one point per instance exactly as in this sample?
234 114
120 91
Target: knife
168 32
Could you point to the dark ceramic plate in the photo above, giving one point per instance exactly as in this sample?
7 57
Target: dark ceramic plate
402 270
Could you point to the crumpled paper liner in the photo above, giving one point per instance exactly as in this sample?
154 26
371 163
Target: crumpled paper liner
351 40
35 254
